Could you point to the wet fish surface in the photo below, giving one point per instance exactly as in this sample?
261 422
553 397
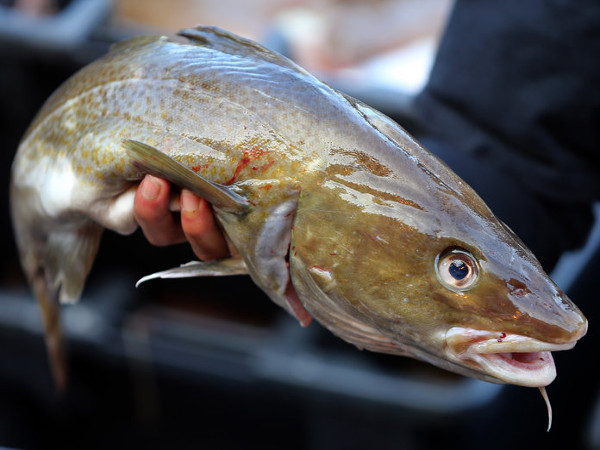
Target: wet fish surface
336 212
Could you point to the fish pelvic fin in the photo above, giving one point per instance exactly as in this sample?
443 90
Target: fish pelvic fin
67 259
219 267
57 268
56 254
150 160
47 300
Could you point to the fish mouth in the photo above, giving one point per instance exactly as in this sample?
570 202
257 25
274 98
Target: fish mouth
505 357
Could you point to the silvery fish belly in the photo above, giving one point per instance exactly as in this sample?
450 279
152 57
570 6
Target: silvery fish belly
337 213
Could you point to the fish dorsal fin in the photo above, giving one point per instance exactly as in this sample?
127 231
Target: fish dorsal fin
151 160
409 146
226 42
389 128
137 41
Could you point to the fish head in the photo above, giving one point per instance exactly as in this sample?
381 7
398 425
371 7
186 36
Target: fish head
492 312
427 270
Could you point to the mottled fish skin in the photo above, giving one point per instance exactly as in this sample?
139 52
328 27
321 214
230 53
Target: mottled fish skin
346 212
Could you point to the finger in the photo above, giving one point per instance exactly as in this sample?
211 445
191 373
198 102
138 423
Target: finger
200 228
151 212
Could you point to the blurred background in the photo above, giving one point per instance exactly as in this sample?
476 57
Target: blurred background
213 363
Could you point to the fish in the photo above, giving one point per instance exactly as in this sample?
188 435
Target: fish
335 211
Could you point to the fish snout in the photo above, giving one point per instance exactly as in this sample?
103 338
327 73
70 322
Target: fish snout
554 318
579 325
568 318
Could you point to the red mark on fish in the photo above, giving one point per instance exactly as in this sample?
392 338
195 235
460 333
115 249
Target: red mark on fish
249 155
199 167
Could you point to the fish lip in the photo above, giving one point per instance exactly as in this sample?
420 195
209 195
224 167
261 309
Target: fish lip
506 357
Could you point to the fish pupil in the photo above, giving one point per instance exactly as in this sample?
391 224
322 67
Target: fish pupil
458 270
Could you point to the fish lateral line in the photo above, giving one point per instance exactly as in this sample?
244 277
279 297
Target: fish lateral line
150 160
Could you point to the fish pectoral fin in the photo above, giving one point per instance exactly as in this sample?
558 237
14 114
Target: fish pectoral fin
150 160
218 267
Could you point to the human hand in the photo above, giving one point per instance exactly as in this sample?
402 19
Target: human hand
153 211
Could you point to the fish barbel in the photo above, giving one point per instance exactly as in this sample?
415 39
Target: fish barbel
337 213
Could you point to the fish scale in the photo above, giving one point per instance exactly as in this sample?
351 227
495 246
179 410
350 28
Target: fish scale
335 211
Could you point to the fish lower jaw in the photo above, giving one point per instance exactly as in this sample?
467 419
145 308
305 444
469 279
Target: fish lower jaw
532 369
506 358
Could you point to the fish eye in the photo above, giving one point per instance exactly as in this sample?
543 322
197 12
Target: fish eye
457 269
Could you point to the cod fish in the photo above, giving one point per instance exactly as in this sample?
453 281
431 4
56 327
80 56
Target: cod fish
336 212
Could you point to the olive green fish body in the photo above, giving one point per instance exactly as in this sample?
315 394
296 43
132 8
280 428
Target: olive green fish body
336 211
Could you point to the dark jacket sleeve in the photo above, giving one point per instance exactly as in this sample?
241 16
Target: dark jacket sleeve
513 106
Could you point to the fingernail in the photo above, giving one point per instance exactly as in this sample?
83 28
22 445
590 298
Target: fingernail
150 188
189 203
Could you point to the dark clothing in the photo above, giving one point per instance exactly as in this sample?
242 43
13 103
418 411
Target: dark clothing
513 106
